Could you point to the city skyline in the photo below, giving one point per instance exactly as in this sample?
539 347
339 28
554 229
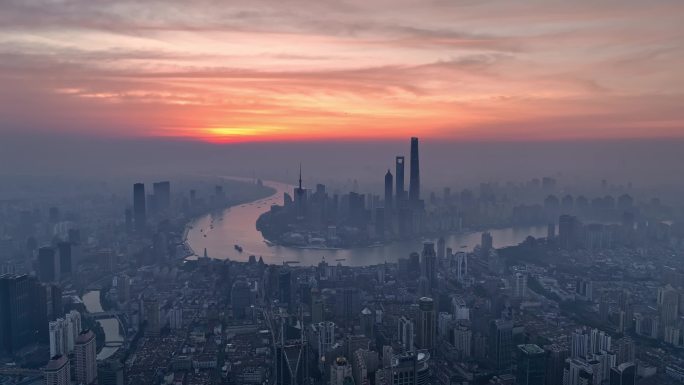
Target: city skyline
349 192
272 71
82 281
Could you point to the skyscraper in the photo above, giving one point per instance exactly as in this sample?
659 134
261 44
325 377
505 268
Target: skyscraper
48 264
285 286
501 343
520 285
668 306
555 363
73 325
531 364
461 266
151 311
57 339
568 231
123 288
139 211
63 333
46 306
580 344
429 264
426 323
441 248
388 192
409 368
463 339
300 196
15 312
291 358
348 304
317 309
623 374
405 332
367 322
626 350
414 186
577 371
487 243
325 333
240 298
86 358
57 371
399 175
162 195
64 249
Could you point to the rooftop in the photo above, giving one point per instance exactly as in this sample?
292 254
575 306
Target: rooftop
531 349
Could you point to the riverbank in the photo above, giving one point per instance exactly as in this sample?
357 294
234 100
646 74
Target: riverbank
238 227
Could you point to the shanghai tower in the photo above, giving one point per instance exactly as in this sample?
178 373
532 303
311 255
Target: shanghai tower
414 187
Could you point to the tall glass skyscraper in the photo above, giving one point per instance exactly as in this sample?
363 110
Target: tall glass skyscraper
414 187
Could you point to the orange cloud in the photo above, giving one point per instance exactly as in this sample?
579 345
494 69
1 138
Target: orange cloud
378 69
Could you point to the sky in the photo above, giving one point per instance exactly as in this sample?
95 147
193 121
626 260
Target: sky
298 70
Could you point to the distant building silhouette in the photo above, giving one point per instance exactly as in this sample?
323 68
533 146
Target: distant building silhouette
300 196
139 207
48 264
388 192
568 231
414 187
487 243
65 266
441 248
429 265
162 195
399 175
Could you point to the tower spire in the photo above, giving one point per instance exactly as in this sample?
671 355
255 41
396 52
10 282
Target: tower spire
300 176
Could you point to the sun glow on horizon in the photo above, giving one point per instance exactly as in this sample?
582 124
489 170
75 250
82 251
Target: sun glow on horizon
241 72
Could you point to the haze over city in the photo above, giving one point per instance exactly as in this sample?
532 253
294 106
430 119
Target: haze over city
354 192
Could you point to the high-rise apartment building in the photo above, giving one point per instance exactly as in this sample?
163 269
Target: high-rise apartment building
86 358
57 371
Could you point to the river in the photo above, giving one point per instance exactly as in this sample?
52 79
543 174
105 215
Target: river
237 226
113 337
